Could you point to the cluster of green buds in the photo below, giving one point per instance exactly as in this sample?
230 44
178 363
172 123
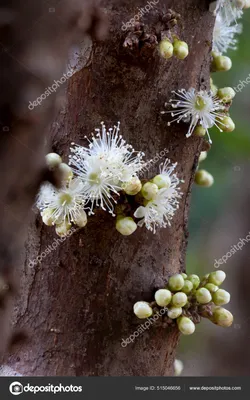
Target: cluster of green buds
187 299
226 95
169 48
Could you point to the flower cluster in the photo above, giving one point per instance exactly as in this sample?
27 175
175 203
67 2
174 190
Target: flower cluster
106 175
188 299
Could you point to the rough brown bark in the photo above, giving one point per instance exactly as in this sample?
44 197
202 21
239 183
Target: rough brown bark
78 302
35 40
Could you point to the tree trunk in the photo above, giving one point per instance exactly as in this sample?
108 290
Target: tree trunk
78 302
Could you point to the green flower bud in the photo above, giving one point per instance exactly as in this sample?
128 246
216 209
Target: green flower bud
217 277
47 217
240 3
63 228
166 49
211 287
221 297
184 275
200 131
163 297
221 63
179 299
195 280
178 367
188 286
65 172
53 160
81 219
185 325
162 181
142 309
226 124
174 312
203 296
203 178
149 190
133 186
176 282
180 49
222 317
203 156
226 94
126 226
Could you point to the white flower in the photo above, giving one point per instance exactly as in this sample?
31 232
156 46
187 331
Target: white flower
223 35
230 9
65 204
196 107
159 211
105 165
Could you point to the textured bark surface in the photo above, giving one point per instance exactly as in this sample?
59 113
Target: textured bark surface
78 302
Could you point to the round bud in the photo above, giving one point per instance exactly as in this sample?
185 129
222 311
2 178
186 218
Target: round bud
226 124
162 181
247 4
142 309
203 296
184 275
211 287
185 325
221 297
179 299
203 178
174 312
217 277
195 280
126 226
53 160
226 94
200 131
240 3
65 171
81 219
63 228
222 317
133 186
166 49
163 297
47 217
149 190
176 282
221 63
203 156
188 286
178 367
180 49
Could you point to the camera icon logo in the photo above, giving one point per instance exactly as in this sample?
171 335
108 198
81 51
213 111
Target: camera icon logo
16 388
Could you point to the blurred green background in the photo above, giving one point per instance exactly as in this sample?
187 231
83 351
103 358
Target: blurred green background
226 161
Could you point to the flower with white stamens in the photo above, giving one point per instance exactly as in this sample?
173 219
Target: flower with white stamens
224 35
65 204
104 166
230 9
159 211
196 107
